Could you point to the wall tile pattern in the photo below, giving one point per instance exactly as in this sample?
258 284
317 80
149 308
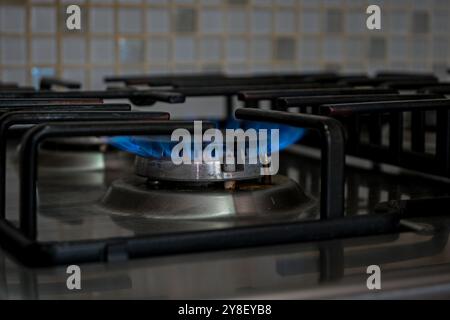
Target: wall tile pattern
236 36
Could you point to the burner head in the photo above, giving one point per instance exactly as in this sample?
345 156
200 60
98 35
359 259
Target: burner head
211 171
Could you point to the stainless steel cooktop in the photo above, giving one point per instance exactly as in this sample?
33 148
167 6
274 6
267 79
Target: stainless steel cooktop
324 269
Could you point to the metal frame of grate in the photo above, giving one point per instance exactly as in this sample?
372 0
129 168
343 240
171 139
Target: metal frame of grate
389 114
23 244
357 108
22 241
138 97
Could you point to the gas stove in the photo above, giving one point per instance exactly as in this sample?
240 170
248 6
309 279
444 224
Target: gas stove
87 179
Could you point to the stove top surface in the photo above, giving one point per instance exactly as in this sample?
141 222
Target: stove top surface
326 269
374 196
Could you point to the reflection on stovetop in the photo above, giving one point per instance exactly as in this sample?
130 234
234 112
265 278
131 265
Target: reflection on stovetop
288 271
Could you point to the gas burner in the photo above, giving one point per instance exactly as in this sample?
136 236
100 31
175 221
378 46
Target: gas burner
211 171
162 190
171 201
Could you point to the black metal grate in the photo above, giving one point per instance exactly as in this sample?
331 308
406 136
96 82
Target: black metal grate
339 127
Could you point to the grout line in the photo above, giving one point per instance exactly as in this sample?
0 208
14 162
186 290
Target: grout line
249 64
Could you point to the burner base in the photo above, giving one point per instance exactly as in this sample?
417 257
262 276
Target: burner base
282 199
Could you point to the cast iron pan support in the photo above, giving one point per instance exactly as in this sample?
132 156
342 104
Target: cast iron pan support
36 117
332 147
23 243
32 139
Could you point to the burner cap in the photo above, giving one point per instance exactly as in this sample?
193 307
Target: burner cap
212 171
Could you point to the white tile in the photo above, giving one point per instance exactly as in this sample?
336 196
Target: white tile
12 18
158 50
130 20
43 19
131 51
261 49
236 50
285 21
398 47
333 49
43 50
74 50
441 49
158 20
237 21
310 21
102 51
309 49
261 21
184 49
101 20
13 50
211 50
398 22
211 21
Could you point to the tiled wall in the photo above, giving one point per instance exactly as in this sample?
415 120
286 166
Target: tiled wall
238 36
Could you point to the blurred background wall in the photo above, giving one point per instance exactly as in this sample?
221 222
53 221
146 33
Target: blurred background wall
236 36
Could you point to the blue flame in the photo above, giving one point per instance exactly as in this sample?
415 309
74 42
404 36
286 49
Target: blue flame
161 146
148 147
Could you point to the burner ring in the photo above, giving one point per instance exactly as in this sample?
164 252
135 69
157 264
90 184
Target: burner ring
213 171
252 202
